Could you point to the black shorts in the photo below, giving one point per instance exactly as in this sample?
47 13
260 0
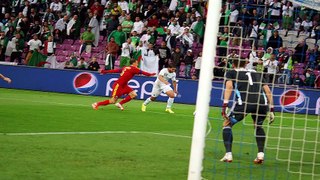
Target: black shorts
258 112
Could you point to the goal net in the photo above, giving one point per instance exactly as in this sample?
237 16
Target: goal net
292 145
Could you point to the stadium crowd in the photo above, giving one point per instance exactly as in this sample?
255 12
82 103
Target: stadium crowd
277 37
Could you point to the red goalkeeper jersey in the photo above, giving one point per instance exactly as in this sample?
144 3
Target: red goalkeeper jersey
127 73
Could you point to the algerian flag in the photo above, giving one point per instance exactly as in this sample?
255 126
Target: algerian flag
37 59
188 5
262 26
276 25
199 28
108 63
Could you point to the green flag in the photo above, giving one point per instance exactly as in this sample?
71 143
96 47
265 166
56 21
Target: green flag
161 31
37 59
199 28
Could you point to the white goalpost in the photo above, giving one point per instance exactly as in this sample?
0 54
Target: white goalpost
204 90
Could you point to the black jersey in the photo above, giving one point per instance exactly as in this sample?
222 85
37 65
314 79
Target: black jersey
248 86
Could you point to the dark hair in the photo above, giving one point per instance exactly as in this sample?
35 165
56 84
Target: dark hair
133 61
237 62
171 65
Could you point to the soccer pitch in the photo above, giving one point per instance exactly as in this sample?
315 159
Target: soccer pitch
58 136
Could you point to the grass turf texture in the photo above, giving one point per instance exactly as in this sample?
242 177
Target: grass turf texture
125 144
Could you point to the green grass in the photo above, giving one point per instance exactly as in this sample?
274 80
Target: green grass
130 144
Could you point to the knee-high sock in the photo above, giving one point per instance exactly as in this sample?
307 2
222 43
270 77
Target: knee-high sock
103 103
260 138
170 102
147 101
227 138
125 100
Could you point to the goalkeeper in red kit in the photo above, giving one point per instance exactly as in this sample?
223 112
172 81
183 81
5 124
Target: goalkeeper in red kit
120 87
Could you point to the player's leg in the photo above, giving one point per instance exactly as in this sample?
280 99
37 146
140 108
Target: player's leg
171 95
131 95
260 134
114 98
236 115
156 91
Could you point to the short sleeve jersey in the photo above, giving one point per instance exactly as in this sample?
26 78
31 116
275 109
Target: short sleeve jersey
166 75
248 86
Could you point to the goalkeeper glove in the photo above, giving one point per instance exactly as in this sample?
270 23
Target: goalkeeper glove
224 111
271 116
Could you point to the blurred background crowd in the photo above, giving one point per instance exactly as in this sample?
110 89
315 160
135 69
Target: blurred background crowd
277 37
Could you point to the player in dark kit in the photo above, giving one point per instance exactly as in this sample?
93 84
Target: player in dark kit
253 96
120 87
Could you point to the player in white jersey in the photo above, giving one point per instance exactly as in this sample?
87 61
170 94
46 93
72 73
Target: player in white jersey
162 85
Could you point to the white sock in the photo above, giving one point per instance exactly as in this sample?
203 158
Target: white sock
170 102
147 101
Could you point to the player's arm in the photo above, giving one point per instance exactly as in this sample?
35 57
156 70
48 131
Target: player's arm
270 102
5 78
161 78
102 71
174 83
226 97
146 73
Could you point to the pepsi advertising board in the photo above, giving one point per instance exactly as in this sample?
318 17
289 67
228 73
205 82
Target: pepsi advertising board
289 100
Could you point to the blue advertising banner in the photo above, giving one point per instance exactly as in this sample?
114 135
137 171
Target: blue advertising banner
287 99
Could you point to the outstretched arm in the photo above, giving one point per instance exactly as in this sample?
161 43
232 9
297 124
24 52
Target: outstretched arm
102 71
146 73
5 78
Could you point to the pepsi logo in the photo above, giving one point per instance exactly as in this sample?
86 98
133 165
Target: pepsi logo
293 100
85 83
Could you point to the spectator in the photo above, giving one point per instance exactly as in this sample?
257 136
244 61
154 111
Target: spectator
48 16
310 78
126 51
224 39
112 49
87 38
93 65
56 7
17 43
253 59
124 6
49 46
97 9
2 46
164 55
118 35
267 33
170 39
272 66
127 25
60 29
73 28
82 64
95 28
138 26
186 39
287 16
188 61
174 28
153 21
198 28
301 51
287 68
177 58
197 65
34 45
296 80
275 41
112 25
135 39
313 56
275 8
233 15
